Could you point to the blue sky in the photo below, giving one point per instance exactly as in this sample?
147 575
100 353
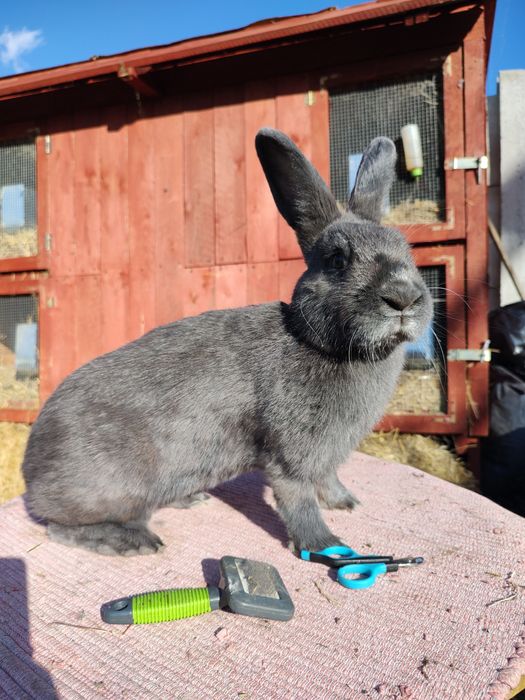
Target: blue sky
36 34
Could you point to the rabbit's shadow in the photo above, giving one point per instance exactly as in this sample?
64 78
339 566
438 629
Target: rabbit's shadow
245 494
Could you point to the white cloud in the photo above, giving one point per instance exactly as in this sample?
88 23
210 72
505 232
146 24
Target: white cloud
13 44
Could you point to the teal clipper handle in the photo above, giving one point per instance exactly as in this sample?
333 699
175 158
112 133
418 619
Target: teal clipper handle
367 575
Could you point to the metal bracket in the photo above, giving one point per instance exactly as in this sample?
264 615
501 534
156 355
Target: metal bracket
47 144
130 75
470 163
471 355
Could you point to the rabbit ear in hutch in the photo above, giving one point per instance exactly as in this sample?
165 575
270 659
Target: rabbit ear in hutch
374 179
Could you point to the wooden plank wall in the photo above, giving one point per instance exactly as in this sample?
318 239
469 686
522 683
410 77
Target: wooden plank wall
161 210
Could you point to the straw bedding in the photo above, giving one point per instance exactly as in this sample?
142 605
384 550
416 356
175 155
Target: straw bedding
21 244
418 211
419 392
426 453
15 393
13 438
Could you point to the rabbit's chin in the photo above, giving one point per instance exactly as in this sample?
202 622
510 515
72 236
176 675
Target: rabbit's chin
402 329
381 345
374 351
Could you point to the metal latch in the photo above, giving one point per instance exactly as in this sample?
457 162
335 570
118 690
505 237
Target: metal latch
470 163
471 355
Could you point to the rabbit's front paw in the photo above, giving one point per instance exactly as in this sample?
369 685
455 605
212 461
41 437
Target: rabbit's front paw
314 543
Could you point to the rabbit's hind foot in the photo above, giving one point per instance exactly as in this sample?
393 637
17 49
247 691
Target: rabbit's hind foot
108 538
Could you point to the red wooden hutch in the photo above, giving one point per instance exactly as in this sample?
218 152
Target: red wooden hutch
147 203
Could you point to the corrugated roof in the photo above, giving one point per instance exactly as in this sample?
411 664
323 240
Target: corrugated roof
252 37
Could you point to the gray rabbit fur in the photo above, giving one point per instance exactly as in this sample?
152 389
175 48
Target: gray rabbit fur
286 388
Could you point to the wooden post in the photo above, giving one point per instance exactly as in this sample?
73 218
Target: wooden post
476 226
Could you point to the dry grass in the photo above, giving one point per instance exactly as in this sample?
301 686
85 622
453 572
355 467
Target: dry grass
21 244
420 211
426 453
419 392
13 438
15 393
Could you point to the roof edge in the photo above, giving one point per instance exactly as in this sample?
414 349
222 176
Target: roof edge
260 32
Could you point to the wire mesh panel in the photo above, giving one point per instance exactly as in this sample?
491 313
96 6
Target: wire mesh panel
18 235
19 351
359 114
422 388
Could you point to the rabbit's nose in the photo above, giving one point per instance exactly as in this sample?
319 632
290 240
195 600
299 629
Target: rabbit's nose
401 296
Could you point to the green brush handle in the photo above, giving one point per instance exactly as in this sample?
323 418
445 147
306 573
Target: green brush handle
161 606
173 604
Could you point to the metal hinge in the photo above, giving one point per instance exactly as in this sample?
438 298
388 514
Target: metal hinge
469 163
51 302
47 144
471 355
48 242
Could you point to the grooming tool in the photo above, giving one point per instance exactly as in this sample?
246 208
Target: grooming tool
246 587
357 570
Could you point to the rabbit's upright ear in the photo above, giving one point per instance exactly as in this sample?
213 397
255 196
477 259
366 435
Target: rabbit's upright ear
300 193
374 179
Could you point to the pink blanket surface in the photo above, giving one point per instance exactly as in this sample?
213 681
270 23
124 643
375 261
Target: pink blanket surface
437 631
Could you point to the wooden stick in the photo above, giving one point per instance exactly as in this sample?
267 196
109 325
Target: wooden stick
505 258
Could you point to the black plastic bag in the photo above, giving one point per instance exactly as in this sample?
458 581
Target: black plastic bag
507 337
503 452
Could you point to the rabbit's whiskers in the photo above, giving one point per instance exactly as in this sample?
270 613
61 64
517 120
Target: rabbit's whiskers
309 324
452 291
350 344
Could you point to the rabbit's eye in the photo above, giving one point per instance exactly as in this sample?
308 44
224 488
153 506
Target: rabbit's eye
337 261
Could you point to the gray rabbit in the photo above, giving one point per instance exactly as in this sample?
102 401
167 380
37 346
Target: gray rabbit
286 388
